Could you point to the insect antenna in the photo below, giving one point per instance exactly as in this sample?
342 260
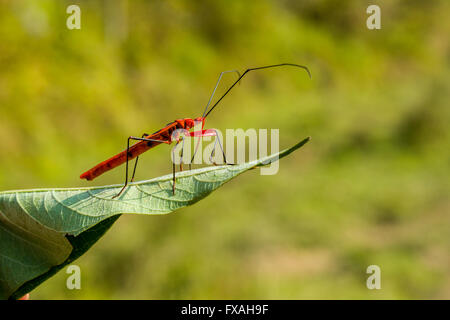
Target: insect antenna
247 71
215 88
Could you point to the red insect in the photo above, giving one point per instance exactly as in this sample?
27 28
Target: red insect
166 135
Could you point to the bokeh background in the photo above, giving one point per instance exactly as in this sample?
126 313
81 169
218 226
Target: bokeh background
372 186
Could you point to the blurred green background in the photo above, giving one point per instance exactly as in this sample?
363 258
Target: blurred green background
372 186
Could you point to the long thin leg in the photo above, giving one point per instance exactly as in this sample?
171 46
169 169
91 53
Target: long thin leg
181 157
173 167
126 164
173 179
195 152
211 133
136 162
221 148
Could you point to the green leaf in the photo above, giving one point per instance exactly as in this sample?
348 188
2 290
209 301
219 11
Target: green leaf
43 230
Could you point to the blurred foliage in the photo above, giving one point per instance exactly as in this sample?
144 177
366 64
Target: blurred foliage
372 187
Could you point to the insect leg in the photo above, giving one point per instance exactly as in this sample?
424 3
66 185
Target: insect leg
195 152
126 170
221 148
173 167
136 162
181 157
128 155
210 133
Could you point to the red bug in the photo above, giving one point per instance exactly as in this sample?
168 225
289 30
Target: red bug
164 135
